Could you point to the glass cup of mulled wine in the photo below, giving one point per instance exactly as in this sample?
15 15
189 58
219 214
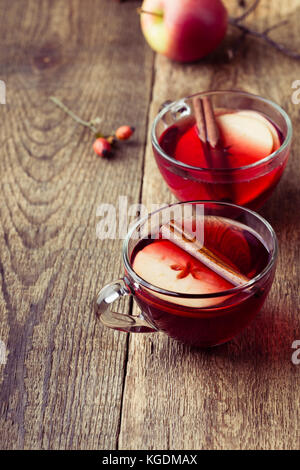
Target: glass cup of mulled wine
199 271
228 146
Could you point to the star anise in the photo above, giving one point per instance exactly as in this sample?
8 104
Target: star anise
186 270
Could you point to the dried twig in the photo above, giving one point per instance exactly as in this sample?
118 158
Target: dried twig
247 12
275 26
253 7
264 35
90 124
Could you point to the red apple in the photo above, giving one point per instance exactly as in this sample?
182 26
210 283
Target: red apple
184 30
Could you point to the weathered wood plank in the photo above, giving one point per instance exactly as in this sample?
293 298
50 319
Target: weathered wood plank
244 394
62 384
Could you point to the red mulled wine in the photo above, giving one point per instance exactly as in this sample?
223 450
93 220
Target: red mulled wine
246 138
212 299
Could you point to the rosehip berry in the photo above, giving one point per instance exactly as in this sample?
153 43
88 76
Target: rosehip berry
124 132
102 147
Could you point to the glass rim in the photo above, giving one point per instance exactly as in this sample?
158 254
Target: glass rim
186 166
231 291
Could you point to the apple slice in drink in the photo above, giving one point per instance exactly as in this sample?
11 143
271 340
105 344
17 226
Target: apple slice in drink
245 135
261 118
165 265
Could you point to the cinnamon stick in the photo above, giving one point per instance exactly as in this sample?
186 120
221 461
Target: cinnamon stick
185 240
212 130
200 119
208 130
215 155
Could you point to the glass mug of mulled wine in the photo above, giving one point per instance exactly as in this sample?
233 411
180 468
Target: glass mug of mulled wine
199 271
228 146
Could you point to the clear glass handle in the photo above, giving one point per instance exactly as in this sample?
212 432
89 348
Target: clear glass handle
119 321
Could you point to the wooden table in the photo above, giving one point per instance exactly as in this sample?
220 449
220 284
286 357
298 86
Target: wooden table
69 383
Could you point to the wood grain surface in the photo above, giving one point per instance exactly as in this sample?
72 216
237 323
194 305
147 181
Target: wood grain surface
69 383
